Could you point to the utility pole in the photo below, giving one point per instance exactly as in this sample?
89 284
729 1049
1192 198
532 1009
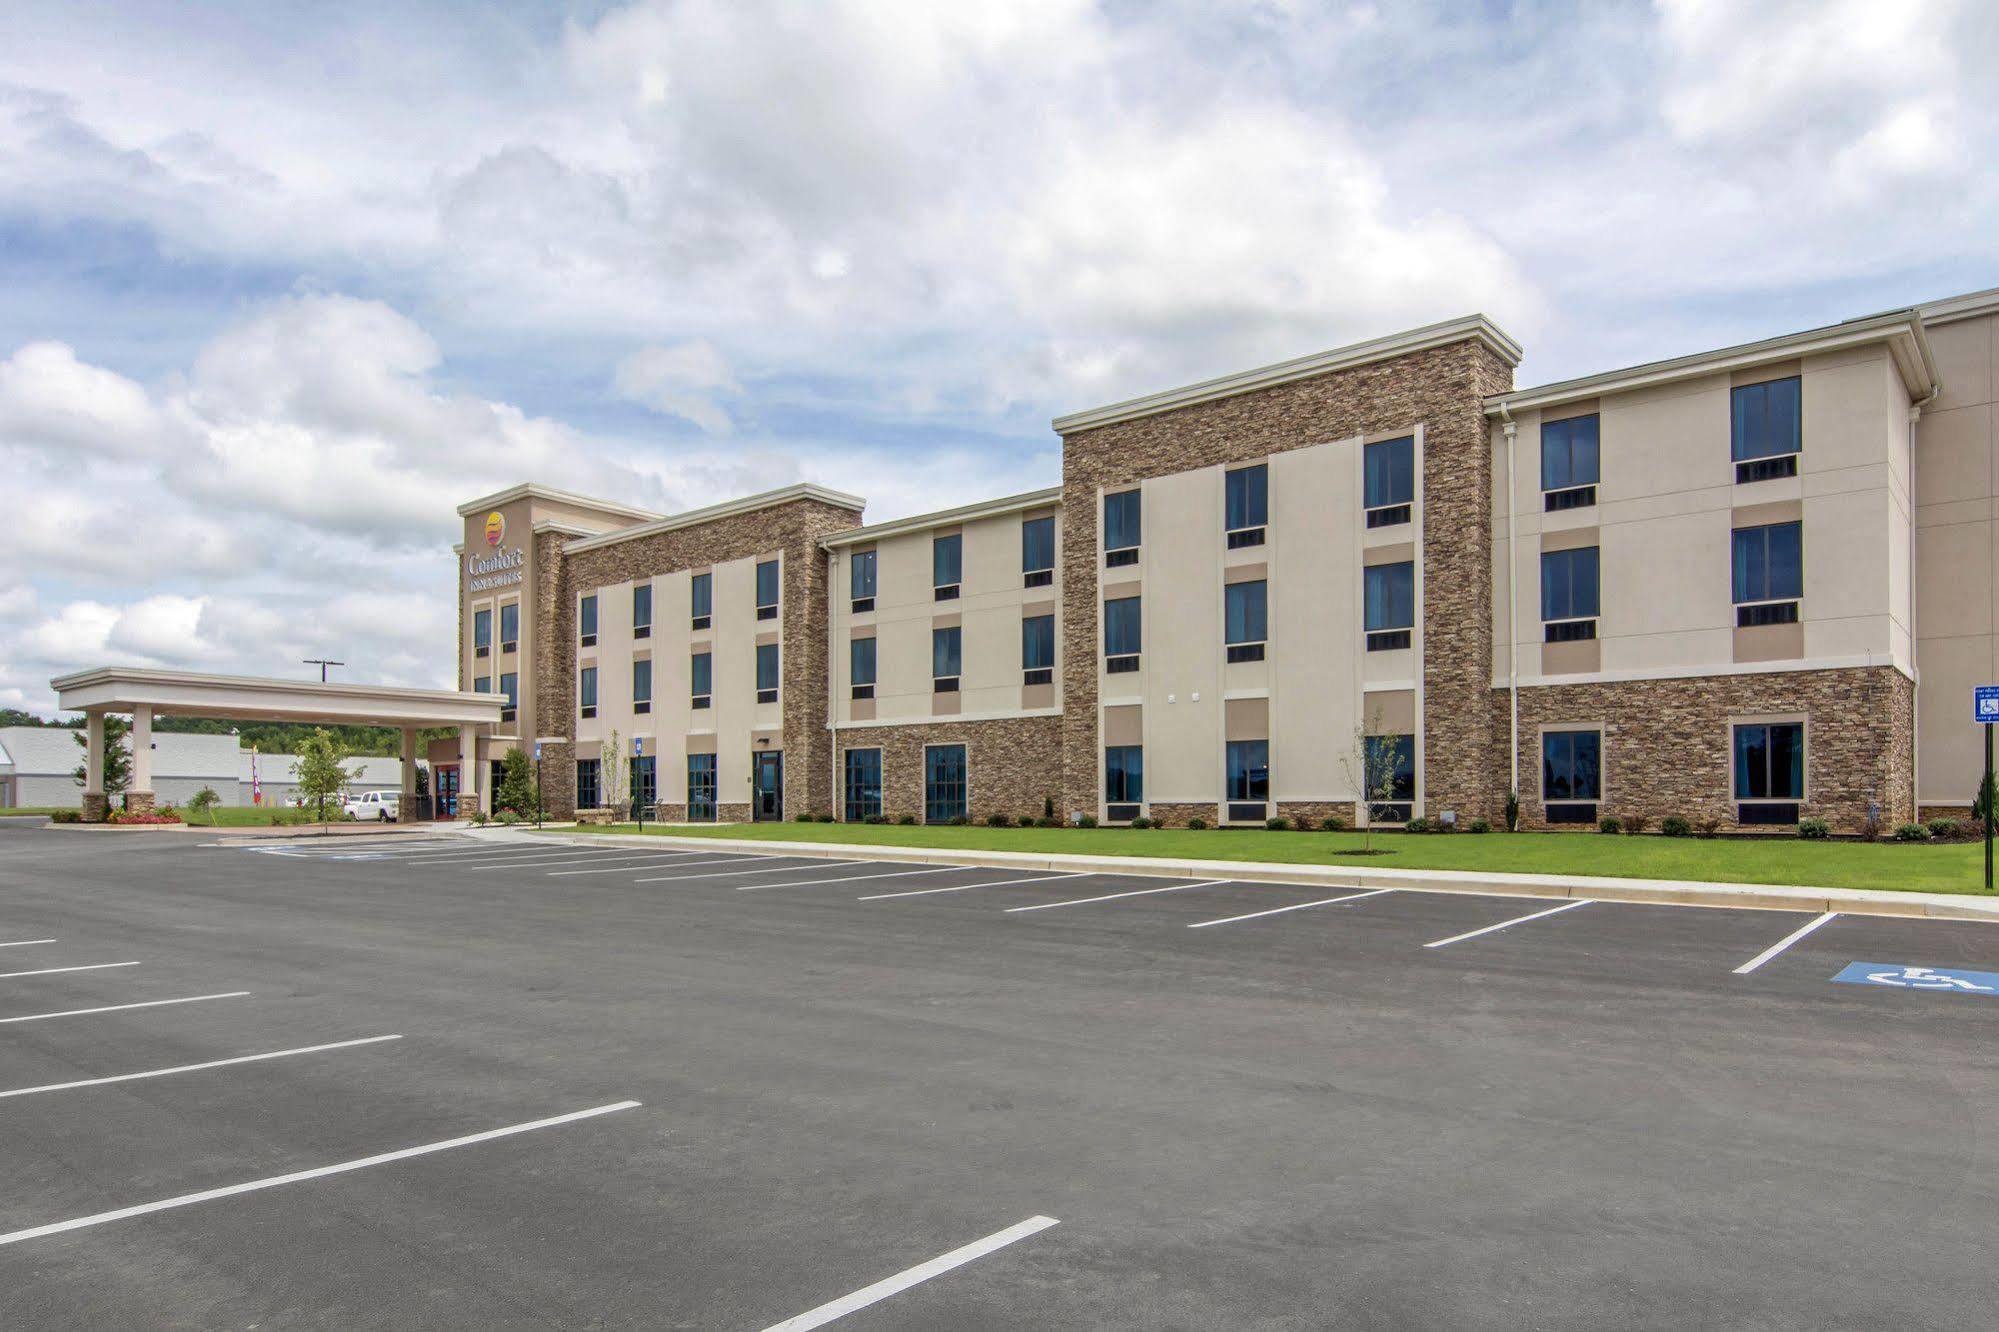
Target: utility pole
323 663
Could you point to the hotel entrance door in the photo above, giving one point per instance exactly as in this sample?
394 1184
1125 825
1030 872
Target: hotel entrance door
767 804
445 778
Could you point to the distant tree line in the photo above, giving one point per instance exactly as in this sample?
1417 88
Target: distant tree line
269 737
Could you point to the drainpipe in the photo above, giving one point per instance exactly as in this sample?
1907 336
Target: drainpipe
832 708
1512 610
1915 666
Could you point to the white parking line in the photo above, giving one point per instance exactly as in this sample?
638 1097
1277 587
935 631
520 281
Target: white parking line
718 860
300 1176
23 943
1782 944
509 856
120 1008
1517 920
1112 897
193 1068
964 887
922 1272
56 971
1296 906
586 858
644 857
855 878
729 874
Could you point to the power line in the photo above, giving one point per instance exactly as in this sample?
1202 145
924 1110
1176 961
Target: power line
323 663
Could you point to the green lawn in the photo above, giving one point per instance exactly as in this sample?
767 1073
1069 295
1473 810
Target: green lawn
1953 868
43 810
247 816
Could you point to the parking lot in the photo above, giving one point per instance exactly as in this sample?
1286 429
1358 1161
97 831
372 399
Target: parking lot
494 1083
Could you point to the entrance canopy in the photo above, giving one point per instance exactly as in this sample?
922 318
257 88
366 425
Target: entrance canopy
142 693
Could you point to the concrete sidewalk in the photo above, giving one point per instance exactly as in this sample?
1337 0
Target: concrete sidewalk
1669 892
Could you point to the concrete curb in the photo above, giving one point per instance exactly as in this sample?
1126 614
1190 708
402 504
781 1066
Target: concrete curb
1662 892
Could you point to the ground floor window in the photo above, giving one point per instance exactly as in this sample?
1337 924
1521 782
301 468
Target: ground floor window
1248 779
1124 782
700 788
1391 778
944 783
645 781
1571 775
1769 771
864 784
586 784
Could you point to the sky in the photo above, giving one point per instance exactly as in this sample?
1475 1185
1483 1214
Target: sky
282 284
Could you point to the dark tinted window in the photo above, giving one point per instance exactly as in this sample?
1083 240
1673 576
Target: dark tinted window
1768 419
1569 453
1389 472
1769 562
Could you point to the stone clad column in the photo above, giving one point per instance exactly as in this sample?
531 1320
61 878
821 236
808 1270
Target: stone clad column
468 772
94 805
139 796
408 808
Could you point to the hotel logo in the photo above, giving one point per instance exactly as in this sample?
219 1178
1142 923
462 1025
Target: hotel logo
496 528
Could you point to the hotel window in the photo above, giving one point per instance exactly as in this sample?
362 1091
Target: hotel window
946 659
510 689
1391 772
482 632
1571 775
861 667
642 611
947 566
1769 772
863 795
483 685
1390 593
1121 528
1247 511
1245 614
1569 462
1248 780
586 691
767 677
1569 594
701 600
1767 429
1121 635
645 781
588 790
586 621
861 579
701 680
1388 469
1769 574
701 788
767 589
1124 782
1037 649
510 625
944 783
1037 552
642 686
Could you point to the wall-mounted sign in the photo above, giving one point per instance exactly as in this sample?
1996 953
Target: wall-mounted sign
500 569
496 528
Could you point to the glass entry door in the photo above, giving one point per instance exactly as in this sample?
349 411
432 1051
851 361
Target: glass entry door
768 774
445 778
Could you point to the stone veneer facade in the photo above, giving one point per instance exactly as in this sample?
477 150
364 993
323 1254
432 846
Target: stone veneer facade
1014 764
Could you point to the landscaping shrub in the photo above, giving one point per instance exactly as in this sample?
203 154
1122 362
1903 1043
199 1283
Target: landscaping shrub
1709 826
1912 832
1513 811
1948 830
907 821
1048 807
508 818
1419 824
999 821
874 818
959 821
1142 822
1610 824
1478 826
1816 830
1674 826
1278 824
66 816
1636 823
1086 821
1334 823
1048 821
1197 824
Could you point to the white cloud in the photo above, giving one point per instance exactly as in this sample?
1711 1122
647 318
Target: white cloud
50 400
681 380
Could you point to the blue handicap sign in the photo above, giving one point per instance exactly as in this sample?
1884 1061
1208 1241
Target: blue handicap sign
1985 703
1949 980
537 752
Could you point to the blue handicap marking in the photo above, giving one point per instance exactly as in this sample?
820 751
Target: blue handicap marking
1985 703
1899 977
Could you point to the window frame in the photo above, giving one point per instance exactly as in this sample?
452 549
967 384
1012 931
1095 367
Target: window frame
1745 399
512 644
698 665
859 807
1033 574
594 787
942 588
964 784
1576 625
767 610
641 599
859 688
510 690
1769 808
1126 552
586 690
701 600
1120 663
1246 505
1391 510
644 779
1571 808
947 648
861 590
1249 646
641 703
1571 491
1387 637
586 620
1124 781
482 631
1400 807
1032 672
706 781
770 693
1243 787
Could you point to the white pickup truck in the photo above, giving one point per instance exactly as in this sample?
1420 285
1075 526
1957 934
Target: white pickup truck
381 806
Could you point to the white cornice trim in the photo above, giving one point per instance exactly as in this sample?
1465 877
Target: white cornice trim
957 719
967 513
535 490
1855 662
565 529
1473 327
804 490
1968 306
1901 330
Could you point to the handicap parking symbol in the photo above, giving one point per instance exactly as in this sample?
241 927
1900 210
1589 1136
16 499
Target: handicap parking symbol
1899 977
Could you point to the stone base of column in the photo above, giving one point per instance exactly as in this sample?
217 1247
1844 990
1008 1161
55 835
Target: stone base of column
139 802
95 807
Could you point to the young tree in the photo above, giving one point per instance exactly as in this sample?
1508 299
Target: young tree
117 756
203 802
1370 768
611 773
515 789
319 772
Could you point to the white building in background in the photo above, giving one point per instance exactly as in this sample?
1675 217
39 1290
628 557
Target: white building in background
37 764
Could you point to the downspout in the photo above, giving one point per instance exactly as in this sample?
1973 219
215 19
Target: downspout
1512 611
1915 666
833 801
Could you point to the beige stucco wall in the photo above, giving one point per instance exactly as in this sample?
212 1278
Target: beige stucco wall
1957 558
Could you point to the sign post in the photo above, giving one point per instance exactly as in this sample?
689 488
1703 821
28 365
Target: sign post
638 801
1985 711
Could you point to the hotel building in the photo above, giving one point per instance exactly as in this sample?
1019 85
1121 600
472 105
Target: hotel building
1746 586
